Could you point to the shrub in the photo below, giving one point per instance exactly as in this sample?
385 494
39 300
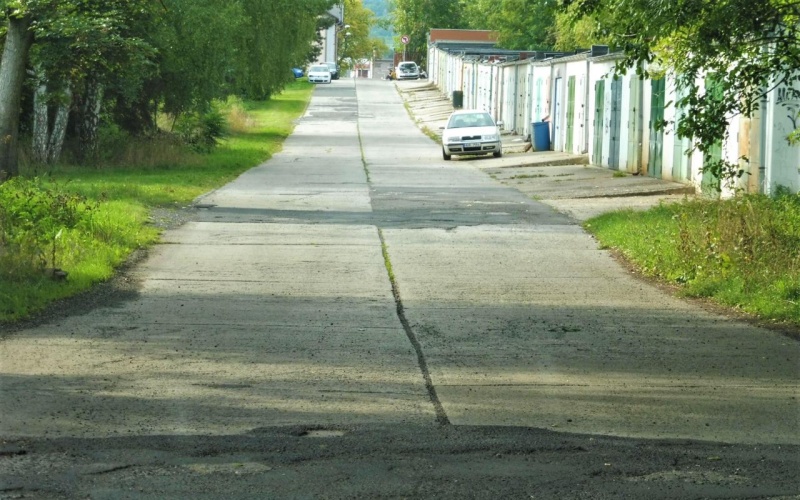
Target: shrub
201 131
33 219
754 238
743 252
239 120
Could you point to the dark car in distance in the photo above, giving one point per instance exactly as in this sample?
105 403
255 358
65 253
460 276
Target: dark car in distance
334 69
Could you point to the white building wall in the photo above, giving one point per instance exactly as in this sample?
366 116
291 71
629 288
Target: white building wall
630 130
495 86
558 106
528 106
469 91
597 71
507 110
473 86
540 101
578 70
782 161
647 96
670 132
521 97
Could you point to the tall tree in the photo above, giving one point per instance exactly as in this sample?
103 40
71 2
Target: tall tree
573 31
12 75
415 18
520 24
356 42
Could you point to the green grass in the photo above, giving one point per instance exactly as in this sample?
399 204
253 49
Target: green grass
126 195
743 253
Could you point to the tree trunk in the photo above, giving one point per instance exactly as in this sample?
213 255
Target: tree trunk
47 142
59 132
12 75
90 121
41 122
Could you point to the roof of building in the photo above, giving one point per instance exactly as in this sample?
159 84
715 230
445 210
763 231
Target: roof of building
437 35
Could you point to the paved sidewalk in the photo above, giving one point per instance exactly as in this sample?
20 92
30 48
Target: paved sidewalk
567 182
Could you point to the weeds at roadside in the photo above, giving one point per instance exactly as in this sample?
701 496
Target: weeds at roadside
743 252
431 134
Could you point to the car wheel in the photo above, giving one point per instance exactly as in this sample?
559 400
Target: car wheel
498 154
445 155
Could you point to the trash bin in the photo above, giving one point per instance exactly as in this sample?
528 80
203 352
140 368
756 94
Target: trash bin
540 134
458 99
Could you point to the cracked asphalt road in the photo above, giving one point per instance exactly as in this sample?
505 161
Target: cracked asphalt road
357 318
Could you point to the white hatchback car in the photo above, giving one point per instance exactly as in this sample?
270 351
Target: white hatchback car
471 132
407 70
319 73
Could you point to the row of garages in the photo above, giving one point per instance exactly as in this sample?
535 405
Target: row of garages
588 110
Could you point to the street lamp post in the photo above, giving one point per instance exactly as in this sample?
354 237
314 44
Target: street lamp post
346 36
339 29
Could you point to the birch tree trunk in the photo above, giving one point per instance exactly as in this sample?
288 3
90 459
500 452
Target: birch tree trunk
41 125
12 75
59 132
90 121
48 142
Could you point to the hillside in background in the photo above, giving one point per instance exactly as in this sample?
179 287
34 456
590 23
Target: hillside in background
379 7
382 9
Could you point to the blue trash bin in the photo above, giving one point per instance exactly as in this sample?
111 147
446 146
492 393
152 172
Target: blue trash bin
540 132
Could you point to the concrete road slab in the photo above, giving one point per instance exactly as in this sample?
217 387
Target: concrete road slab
542 329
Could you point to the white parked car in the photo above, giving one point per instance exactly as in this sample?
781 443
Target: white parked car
407 70
319 73
471 132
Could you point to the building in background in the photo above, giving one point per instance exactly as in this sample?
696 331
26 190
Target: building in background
329 46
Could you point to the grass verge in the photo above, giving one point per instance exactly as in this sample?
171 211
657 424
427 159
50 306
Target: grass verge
124 197
742 253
